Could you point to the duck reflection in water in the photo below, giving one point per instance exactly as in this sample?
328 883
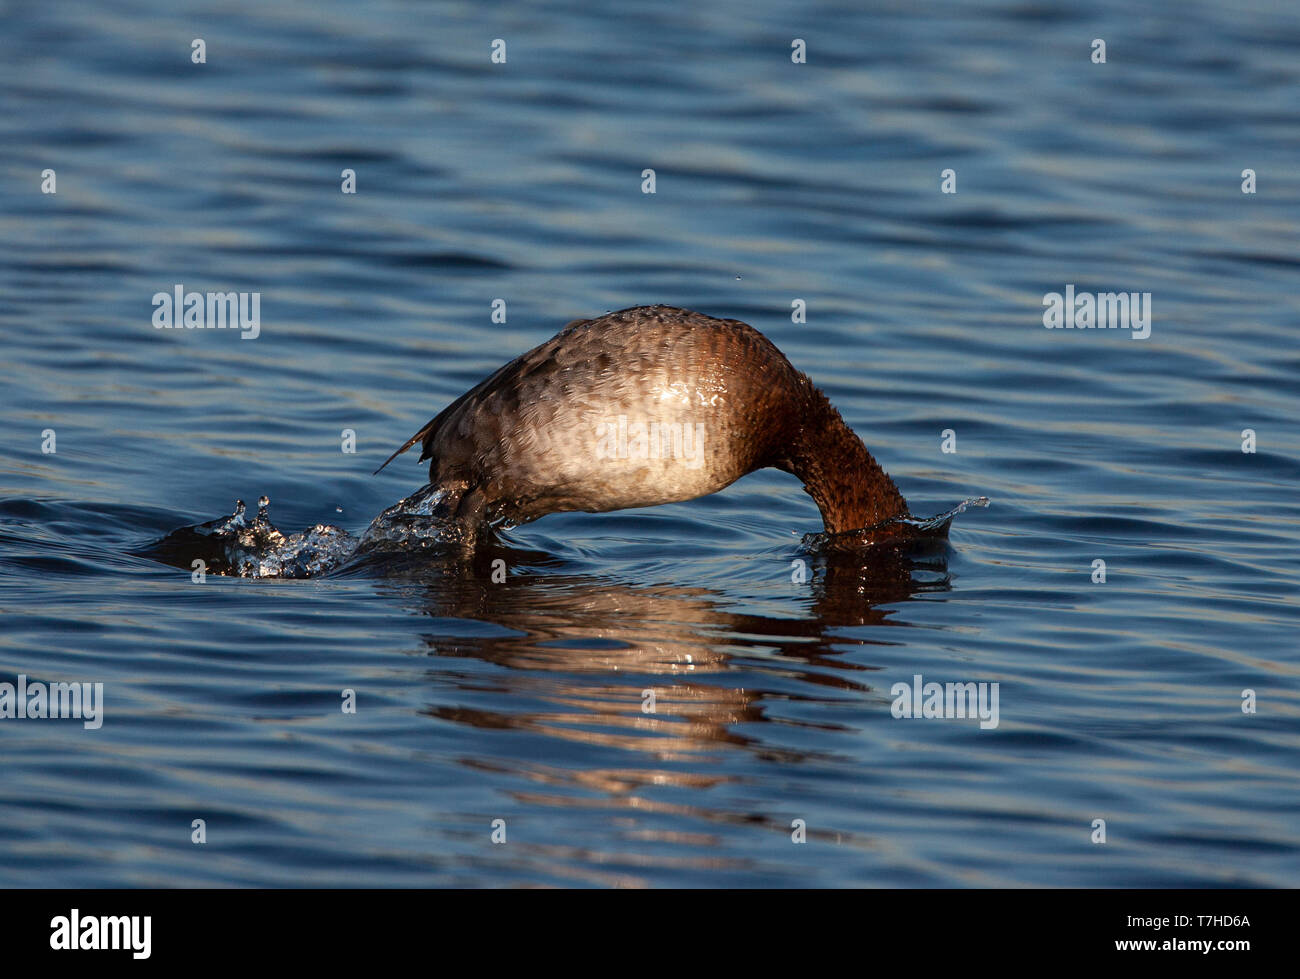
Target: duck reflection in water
668 674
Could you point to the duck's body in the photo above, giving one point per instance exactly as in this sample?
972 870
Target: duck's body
645 406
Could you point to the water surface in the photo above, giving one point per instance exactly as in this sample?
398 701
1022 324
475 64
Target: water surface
522 700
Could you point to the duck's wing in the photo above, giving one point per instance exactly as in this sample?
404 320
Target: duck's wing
540 357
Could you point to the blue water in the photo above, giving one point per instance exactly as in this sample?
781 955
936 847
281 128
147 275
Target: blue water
522 700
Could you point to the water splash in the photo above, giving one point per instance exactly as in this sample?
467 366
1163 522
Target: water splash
945 518
894 531
236 546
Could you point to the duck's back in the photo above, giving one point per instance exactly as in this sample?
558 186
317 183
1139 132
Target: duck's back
638 407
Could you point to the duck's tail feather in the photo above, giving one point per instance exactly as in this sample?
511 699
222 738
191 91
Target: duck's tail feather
409 442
